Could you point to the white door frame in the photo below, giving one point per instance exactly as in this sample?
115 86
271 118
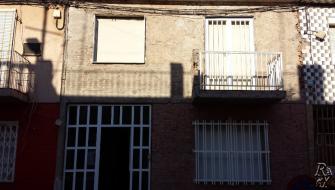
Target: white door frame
141 147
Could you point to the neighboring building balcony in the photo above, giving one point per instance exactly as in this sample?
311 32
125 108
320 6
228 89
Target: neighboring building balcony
15 77
239 75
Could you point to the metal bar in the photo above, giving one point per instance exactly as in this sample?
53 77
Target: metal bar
131 149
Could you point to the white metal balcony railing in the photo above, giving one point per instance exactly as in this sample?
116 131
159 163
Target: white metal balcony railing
240 70
15 72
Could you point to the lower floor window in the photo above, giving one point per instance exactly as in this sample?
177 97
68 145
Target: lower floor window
8 138
232 152
324 133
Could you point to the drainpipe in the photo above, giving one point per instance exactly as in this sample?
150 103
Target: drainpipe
58 182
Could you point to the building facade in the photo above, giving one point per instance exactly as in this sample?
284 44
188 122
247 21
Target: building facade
161 96
30 78
165 94
317 31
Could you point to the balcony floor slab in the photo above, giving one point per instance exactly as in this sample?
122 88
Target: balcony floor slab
9 95
238 96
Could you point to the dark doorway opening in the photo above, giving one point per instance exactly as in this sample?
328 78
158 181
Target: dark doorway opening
114 158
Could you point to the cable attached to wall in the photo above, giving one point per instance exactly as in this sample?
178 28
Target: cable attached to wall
57 14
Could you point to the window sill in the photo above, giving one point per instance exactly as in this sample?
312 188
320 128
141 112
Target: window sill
127 63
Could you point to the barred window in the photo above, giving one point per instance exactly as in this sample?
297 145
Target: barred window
8 138
324 131
232 152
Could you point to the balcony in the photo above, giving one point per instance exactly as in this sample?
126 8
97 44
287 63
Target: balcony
15 77
240 76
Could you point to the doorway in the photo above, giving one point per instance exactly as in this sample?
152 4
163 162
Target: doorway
107 146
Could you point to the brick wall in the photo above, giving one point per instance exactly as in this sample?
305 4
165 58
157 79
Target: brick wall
173 142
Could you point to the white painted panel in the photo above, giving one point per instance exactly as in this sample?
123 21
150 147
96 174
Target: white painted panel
120 40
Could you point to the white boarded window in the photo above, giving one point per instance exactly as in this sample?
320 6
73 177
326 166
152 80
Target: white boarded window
8 138
232 152
119 40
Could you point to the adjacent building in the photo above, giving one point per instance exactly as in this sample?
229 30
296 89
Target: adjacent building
31 47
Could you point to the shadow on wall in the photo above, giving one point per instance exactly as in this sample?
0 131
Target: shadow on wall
33 79
124 85
312 83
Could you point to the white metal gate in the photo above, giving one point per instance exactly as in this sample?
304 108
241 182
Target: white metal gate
82 148
225 39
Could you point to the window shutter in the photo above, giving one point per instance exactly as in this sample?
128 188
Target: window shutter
7 26
120 40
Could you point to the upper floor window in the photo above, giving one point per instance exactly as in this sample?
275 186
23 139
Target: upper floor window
7 26
119 40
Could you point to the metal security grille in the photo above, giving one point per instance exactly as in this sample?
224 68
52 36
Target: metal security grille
232 152
8 138
83 143
324 127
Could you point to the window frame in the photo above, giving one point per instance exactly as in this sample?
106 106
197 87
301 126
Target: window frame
95 35
205 156
73 122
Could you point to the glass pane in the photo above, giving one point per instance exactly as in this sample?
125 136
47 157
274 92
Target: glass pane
82 136
137 115
79 180
89 180
106 115
71 137
116 114
126 114
136 158
145 178
135 181
137 135
69 159
68 181
145 136
145 158
90 159
146 115
92 136
93 115
80 159
73 115
83 115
